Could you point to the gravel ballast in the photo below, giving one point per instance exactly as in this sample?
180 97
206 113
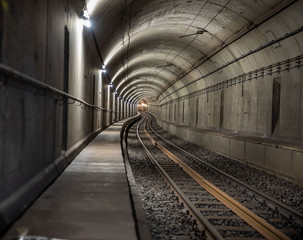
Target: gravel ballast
166 217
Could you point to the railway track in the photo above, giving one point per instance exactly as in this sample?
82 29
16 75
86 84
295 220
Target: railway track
223 206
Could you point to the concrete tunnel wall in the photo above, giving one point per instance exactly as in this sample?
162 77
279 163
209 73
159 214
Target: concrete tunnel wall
33 38
269 106
241 76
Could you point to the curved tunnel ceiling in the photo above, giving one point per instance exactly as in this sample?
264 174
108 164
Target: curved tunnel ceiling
153 48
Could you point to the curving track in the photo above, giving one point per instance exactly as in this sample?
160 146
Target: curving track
225 207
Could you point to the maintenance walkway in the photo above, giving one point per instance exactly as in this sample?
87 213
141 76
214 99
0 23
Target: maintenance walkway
89 200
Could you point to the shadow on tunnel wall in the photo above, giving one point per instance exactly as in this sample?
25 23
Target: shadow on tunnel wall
43 125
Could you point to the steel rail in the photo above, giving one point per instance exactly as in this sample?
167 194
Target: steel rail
141 227
286 210
201 220
256 222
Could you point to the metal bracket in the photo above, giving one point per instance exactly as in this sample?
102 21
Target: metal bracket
298 63
73 101
279 68
287 66
270 70
199 32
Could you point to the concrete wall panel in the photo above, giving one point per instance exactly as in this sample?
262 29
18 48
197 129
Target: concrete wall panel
264 105
31 125
290 104
24 43
223 145
255 154
297 166
237 149
278 160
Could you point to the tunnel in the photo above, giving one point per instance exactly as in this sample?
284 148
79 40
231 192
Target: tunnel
222 74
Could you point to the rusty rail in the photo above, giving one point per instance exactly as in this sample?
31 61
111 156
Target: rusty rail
256 222
211 232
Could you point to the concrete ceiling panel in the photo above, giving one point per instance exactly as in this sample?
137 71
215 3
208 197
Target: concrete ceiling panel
170 44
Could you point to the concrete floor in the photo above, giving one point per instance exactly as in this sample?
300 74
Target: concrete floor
90 200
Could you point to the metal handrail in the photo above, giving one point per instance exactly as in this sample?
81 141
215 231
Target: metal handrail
18 76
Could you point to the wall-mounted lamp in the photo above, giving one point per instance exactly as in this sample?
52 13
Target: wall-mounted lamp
87 23
85 14
85 18
103 69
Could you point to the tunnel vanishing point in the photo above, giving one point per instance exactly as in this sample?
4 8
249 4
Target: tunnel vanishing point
224 74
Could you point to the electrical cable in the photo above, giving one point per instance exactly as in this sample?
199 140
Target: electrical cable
287 35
